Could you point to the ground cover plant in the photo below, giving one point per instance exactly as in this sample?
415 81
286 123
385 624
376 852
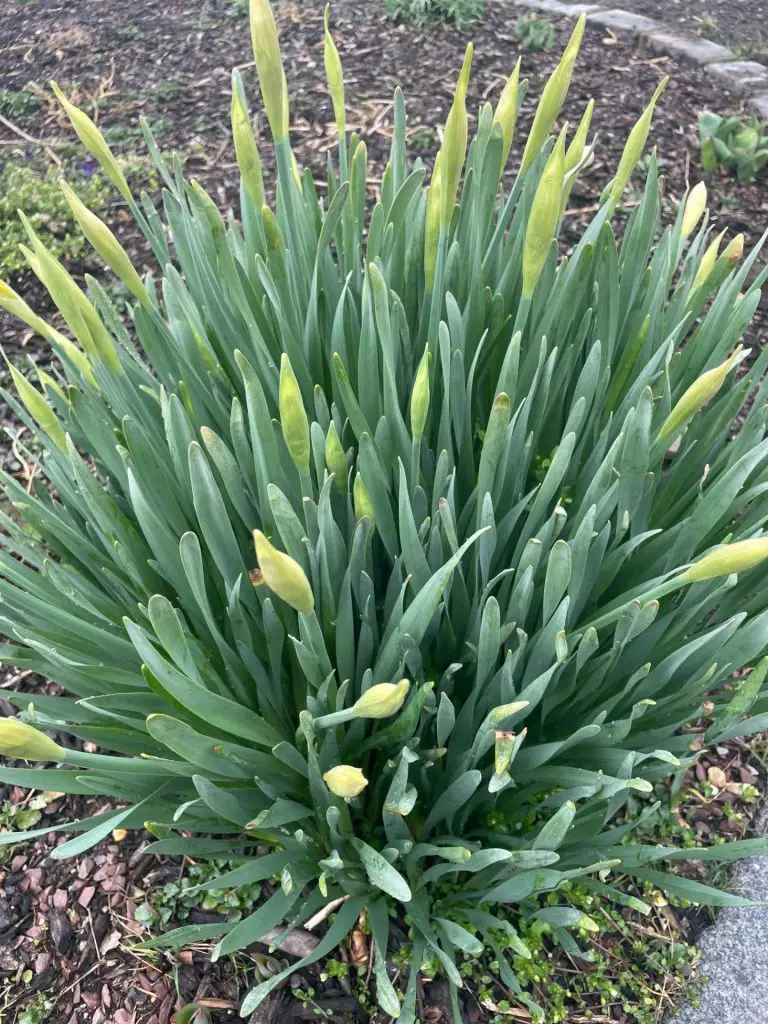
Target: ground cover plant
460 12
462 548
729 142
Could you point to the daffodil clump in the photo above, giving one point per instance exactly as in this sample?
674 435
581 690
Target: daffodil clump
388 539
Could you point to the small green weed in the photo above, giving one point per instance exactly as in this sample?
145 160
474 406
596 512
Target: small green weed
39 1011
533 33
460 12
25 187
19 104
168 90
175 900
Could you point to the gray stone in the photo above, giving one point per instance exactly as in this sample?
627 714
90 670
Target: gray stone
557 8
759 105
700 51
625 21
735 954
742 75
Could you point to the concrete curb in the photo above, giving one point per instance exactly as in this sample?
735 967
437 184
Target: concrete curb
742 76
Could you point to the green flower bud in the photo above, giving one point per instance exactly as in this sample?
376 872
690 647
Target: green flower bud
699 393
94 142
635 145
106 245
432 225
505 114
246 150
552 96
382 700
271 230
420 396
283 575
335 76
695 206
454 148
735 249
269 67
336 458
17 739
13 303
542 222
293 417
738 557
345 781
39 409
707 263
361 499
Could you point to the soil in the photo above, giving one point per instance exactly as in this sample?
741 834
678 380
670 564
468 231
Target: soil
70 924
742 26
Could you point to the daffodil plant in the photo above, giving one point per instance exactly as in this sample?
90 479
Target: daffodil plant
387 538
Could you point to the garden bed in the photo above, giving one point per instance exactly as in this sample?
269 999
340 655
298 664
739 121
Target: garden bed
69 928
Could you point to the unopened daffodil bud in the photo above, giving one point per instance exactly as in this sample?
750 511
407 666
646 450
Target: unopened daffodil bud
707 263
699 393
94 142
695 206
269 67
246 150
38 409
543 219
283 575
106 245
505 114
454 148
293 416
335 76
345 781
432 224
574 154
635 146
420 396
738 557
382 700
336 458
552 96
735 249
504 746
362 500
18 739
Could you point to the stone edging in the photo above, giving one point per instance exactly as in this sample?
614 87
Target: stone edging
743 76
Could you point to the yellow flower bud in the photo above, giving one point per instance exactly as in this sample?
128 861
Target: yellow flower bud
293 417
382 700
454 148
502 752
246 150
707 263
432 225
505 114
574 154
735 249
106 245
335 76
699 393
95 143
39 409
345 781
72 302
552 96
362 500
269 67
17 739
336 458
283 575
271 229
13 303
738 557
695 206
635 145
420 396
542 222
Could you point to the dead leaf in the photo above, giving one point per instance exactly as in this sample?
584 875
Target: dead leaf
358 944
717 777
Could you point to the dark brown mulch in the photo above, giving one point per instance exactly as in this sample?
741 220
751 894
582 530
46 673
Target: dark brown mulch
741 25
